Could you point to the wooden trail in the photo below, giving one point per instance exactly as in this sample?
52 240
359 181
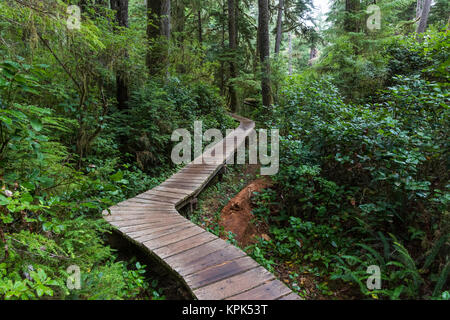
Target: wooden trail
210 267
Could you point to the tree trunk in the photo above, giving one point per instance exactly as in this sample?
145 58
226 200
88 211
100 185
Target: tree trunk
264 50
312 54
200 31
351 24
290 53
424 13
122 94
222 64
166 19
158 34
279 26
232 30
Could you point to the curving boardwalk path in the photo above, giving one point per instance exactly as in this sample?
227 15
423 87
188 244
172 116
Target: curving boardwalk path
210 267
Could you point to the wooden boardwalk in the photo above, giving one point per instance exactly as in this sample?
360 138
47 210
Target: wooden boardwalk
210 267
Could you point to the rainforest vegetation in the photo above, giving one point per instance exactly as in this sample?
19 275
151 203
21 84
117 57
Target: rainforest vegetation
91 91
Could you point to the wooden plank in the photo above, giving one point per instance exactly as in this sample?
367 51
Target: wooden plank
291 296
234 285
170 230
198 170
180 184
172 238
126 210
186 181
220 272
135 222
269 291
227 253
121 214
144 202
194 175
140 216
145 226
180 246
159 198
167 194
191 256
134 205
155 229
173 190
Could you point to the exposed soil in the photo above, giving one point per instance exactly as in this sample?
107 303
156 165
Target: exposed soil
237 215
227 205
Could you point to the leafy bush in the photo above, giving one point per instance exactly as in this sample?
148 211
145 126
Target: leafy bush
349 172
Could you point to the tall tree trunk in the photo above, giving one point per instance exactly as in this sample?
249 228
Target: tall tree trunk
232 31
264 50
312 54
351 24
158 34
290 53
122 94
166 19
200 31
222 64
424 13
279 26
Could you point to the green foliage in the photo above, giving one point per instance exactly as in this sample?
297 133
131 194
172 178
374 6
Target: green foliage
351 173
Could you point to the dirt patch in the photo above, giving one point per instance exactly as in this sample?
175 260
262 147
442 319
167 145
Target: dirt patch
237 215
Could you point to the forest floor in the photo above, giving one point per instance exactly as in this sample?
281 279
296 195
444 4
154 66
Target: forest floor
225 209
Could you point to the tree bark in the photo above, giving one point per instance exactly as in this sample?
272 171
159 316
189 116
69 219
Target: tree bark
121 8
200 31
122 94
351 24
312 54
290 53
424 11
279 26
158 34
264 50
166 19
222 64
232 31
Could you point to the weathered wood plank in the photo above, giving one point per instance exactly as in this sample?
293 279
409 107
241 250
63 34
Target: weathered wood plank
291 296
172 190
269 291
170 230
130 229
135 222
227 253
166 194
220 272
234 285
192 255
184 245
158 198
152 229
163 217
172 238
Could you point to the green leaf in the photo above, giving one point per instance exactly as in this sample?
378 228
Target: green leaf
36 124
117 176
26 197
